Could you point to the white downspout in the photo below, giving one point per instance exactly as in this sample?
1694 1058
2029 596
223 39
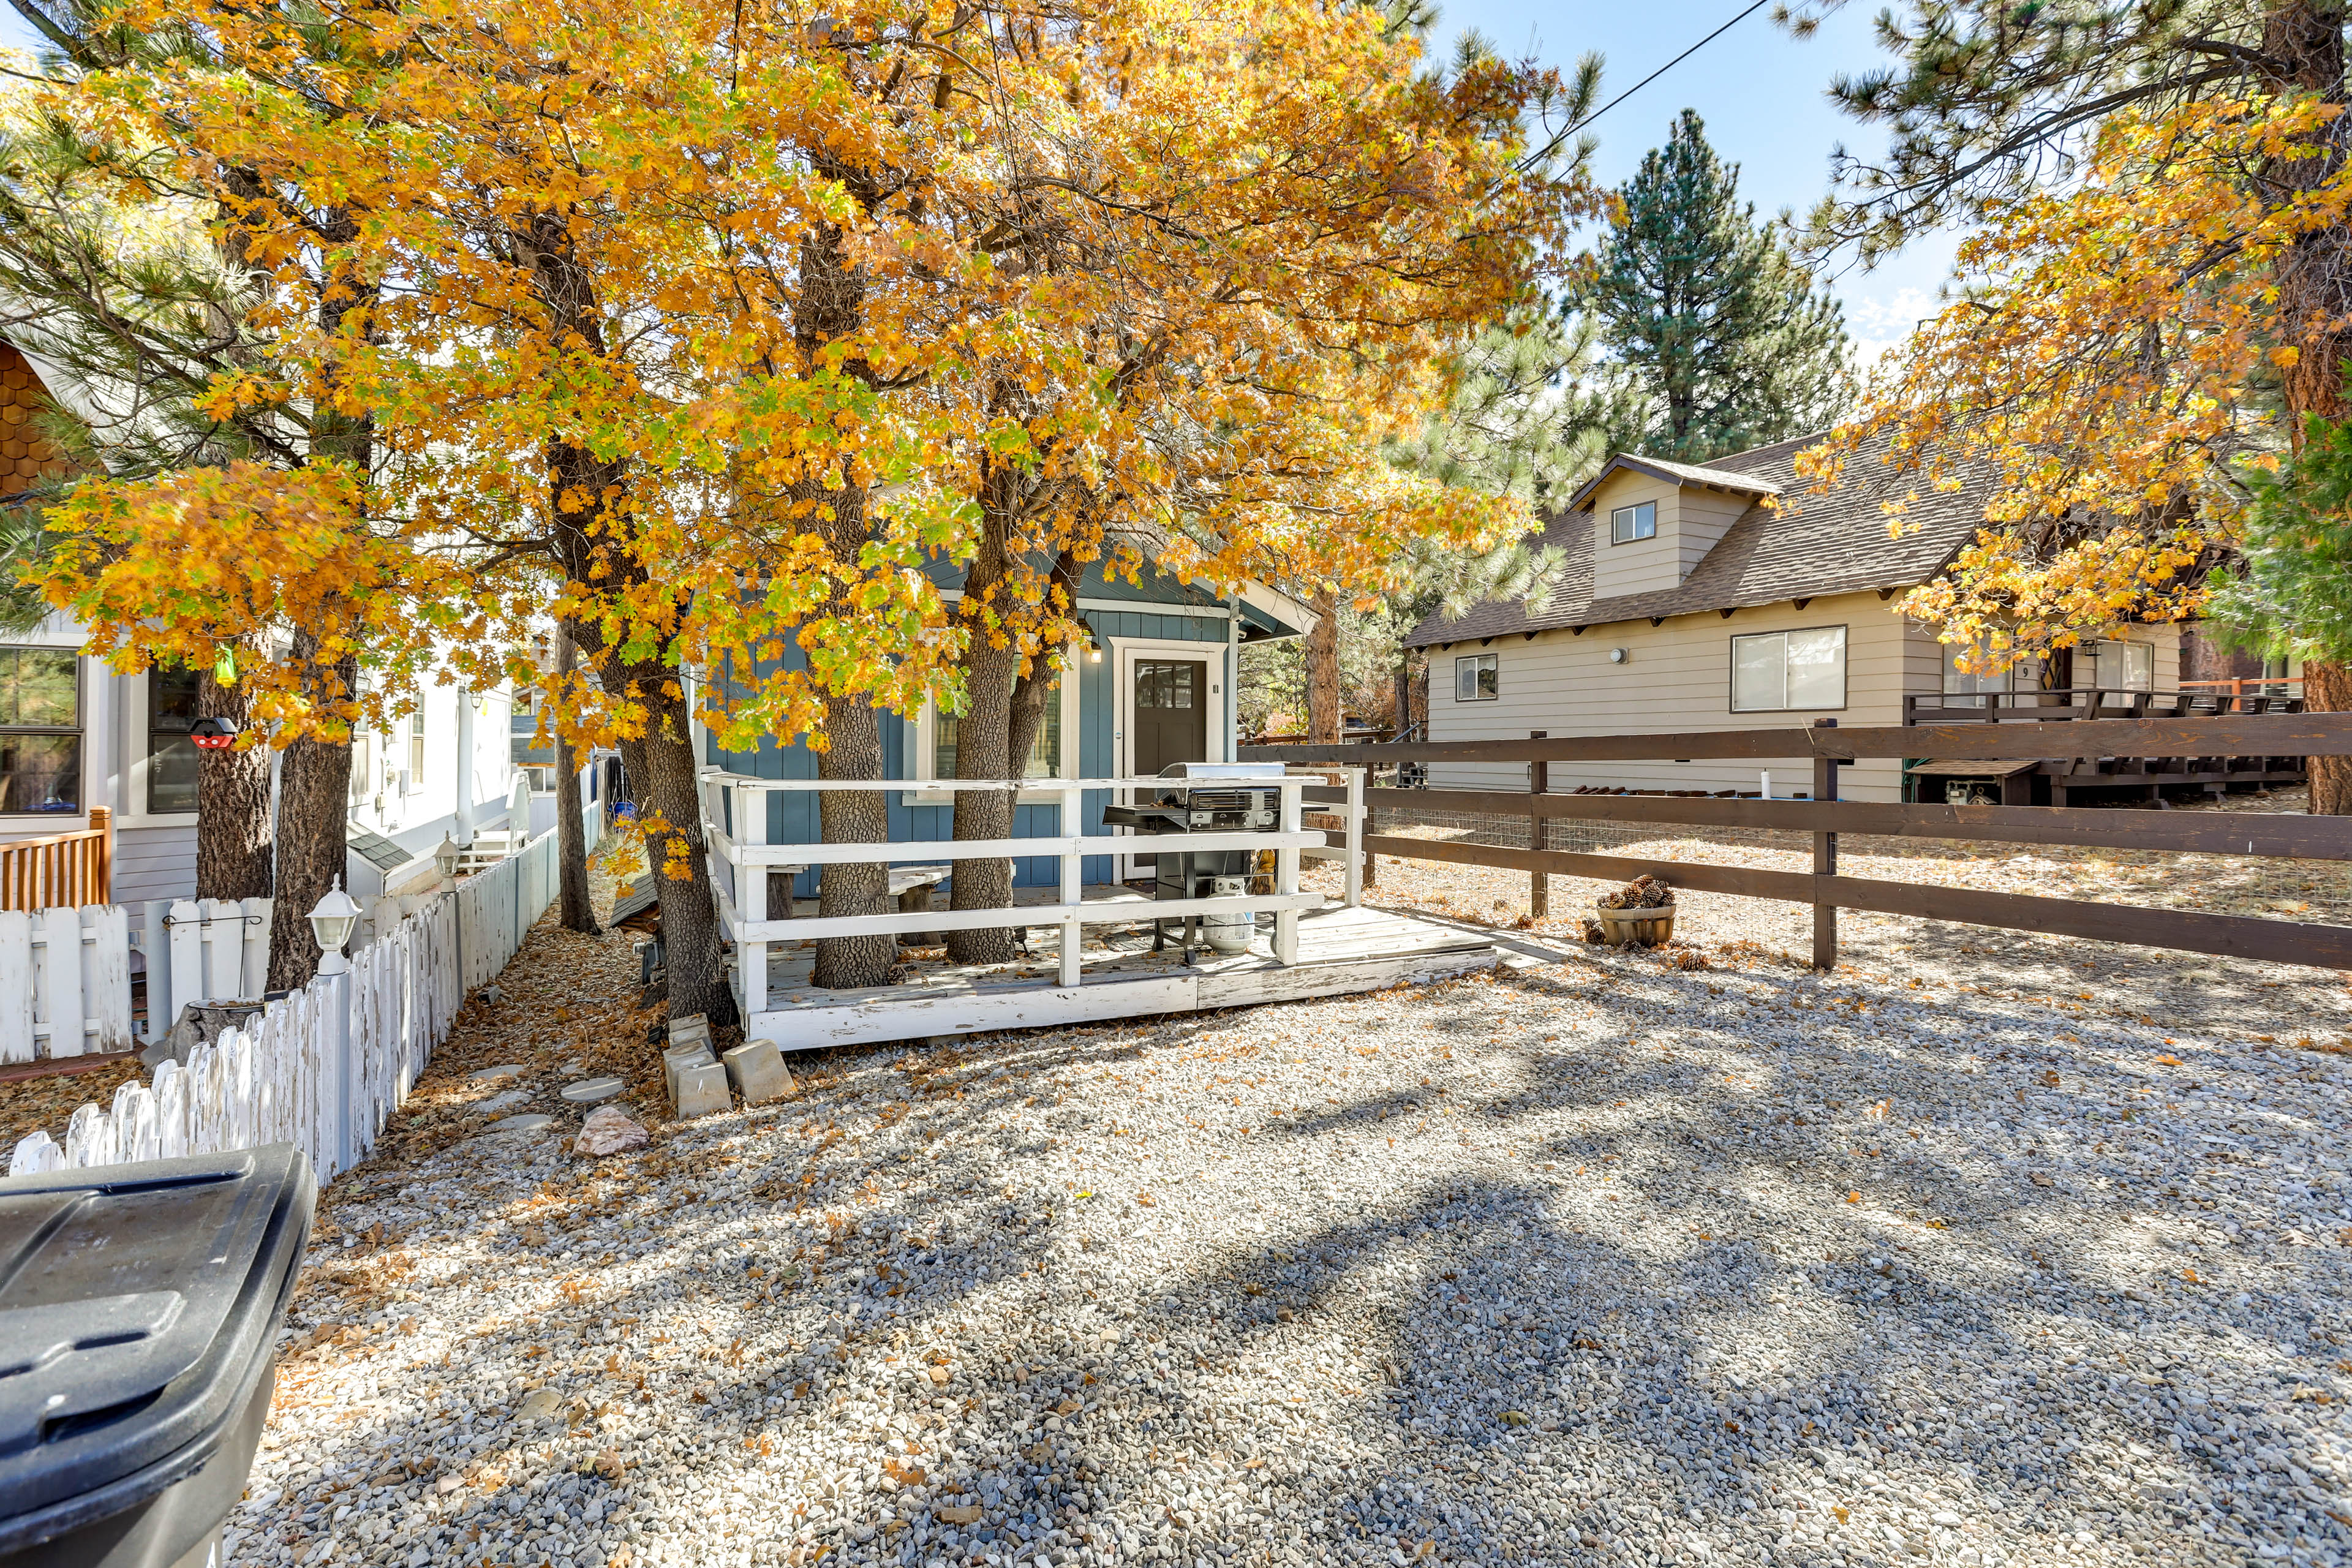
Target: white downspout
464 765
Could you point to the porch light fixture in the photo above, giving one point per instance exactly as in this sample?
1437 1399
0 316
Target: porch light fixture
331 921
1094 656
445 857
212 734
1616 656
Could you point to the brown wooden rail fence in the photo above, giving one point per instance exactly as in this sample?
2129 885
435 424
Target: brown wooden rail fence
2284 836
62 870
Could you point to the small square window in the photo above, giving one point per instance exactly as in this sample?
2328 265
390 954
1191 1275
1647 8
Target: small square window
1475 679
1628 523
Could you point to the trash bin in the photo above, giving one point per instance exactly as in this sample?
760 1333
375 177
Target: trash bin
139 1315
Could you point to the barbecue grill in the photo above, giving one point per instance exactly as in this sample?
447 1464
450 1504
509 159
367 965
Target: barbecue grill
1212 798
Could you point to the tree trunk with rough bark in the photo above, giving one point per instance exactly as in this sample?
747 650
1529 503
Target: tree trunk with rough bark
669 802
2327 689
234 830
1003 709
314 786
1323 669
592 533
2314 281
576 912
854 751
831 306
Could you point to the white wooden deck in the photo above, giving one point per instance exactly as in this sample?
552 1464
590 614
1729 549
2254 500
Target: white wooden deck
1340 950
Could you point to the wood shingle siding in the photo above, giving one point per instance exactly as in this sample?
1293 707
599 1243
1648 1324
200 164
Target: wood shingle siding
24 456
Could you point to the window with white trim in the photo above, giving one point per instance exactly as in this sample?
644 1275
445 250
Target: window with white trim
1628 523
40 731
1477 678
2124 666
172 703
1958 682
1775 672
1044 752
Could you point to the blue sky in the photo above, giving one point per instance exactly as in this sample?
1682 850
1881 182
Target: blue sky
1761 92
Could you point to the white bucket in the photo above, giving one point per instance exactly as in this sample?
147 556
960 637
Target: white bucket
1229 931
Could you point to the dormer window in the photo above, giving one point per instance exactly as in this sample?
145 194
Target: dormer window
1628 523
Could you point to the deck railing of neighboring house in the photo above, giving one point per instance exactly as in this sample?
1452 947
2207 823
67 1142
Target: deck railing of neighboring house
735 819
61 870
2282 836
2057 705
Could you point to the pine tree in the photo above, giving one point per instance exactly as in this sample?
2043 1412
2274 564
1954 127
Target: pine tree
1719 326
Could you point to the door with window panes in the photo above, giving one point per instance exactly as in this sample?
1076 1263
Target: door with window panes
1170 723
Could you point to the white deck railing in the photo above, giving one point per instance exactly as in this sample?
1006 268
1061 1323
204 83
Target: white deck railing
743 900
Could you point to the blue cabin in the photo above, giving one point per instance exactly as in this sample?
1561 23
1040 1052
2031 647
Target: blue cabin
1156 688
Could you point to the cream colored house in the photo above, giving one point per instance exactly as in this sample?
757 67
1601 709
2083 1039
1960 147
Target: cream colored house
1727 595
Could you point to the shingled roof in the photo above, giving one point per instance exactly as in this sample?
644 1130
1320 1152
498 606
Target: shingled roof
1814 544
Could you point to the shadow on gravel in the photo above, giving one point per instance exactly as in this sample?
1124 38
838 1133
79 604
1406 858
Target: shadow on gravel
1627 1335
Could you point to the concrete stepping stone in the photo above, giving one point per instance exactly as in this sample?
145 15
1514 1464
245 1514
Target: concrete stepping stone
492 1075
501 1102
591 1090
533 1122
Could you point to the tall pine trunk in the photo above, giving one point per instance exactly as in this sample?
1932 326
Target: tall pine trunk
1323 669
576 912
2305 40
233 829
2327 689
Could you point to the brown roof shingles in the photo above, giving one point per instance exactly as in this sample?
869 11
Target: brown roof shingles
1813 545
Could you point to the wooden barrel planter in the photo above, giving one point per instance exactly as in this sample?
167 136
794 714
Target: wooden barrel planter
1636 928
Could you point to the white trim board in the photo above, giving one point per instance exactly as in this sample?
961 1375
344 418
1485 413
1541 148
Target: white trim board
1124 653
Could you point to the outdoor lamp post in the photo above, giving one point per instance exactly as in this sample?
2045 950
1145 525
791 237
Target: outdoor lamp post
332 920
330 923
445 860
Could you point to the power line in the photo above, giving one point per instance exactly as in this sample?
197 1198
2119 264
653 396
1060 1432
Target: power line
1662 69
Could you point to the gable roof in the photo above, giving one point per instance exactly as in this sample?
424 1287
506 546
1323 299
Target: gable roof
1815 544
1672 473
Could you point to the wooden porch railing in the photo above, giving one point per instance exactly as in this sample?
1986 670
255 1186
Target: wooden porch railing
62 870
2246 835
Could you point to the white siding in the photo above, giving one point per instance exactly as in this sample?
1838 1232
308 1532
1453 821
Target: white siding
1677 677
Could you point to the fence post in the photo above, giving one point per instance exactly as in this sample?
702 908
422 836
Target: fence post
1825 787
1355 829
752 899
1073 887
1539 783
155 950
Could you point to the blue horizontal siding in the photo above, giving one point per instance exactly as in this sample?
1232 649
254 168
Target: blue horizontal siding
792 816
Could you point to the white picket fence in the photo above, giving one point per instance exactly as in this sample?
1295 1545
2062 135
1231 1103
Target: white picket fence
324 1067
495 908
68 1008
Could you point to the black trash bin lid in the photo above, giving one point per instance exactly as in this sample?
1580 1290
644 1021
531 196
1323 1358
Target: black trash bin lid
138 1305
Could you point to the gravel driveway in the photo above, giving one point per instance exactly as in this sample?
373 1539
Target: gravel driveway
1967 1254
